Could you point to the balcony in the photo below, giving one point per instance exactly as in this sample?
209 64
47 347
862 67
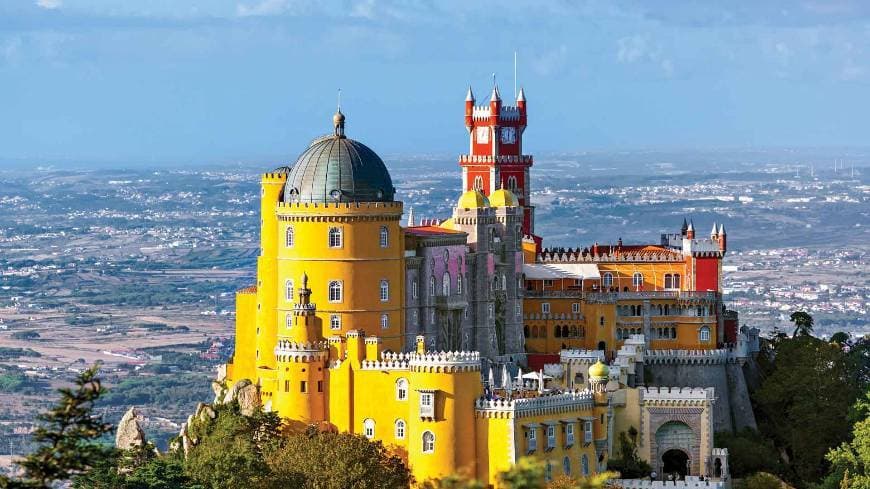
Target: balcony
553 294
450 302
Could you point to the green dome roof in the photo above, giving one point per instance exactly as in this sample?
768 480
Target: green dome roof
337 169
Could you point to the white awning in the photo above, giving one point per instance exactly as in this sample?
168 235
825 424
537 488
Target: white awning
551 271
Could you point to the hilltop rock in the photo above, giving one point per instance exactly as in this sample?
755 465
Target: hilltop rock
249 399
130 433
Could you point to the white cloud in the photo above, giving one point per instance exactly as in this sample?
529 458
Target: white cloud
49 4
552 61
262 8
631 49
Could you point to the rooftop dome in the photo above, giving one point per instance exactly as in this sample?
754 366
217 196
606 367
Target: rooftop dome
598 370
472 199
337 169
502 198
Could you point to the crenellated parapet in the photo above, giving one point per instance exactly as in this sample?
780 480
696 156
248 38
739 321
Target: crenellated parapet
690 482
389 361
445 361
580 356
566 402
676 396
688 357
291 351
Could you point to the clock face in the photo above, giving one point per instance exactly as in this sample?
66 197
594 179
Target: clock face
482 134
508 135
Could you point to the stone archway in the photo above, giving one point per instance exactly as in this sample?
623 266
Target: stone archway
675 461
675 444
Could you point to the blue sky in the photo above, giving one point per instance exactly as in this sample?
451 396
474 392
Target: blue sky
226 80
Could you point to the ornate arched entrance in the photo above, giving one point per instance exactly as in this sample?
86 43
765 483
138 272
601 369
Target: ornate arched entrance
675 461
675 441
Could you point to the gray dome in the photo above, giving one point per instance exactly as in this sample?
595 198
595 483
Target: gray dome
337 169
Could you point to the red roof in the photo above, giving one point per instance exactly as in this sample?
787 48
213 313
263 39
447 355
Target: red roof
430 231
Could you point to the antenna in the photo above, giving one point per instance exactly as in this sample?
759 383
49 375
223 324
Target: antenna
515 73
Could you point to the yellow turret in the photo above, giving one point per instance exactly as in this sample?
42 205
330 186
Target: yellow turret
502 198
472 199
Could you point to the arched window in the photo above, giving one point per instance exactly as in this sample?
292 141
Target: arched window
564 331
704 334
566 466
543 331
459 284
557 332
400 429
335 292
512 183
607 279
601 321
334 322
584 463
288 289
534 331
335 237
503 282
384 238
432 286
676 280
637 280
385 291
385 321
288 237
478 183
445 284
369 428
526 331
402 390
574 331
428 442
549 473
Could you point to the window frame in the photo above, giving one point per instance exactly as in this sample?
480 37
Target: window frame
339 286
335 237
399 429
384 290
289 237
335 322
428 445
385 321
369 424
402 389
384 237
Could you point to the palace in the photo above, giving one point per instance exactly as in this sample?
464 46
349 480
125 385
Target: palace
418 335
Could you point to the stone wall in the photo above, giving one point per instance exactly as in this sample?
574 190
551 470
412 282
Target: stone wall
732 408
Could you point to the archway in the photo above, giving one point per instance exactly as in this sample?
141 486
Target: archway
602 345
675 461
717 468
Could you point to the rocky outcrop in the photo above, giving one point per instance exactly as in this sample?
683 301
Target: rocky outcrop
130 434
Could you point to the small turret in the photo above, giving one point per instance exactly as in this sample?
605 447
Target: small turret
685 227
411 218
521 105
690 231
469 109
714 233
494 106
723 240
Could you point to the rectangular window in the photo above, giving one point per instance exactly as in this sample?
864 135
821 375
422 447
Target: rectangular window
575 307
286 386
335 238
532 440
414 292
545 307
319 386
303 386
587 435
551 436
548 283
427 405
569 434
490 310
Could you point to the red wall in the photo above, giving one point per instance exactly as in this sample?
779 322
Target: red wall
707 274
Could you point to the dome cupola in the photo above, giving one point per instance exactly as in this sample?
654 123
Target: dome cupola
335 168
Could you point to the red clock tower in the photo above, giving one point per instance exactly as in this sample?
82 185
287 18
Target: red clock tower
495 157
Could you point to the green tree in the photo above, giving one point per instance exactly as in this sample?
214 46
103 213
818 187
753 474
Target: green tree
850 462
527 473
803 323
230 449
802 401
761 480
748 452
68 435
628 463
326 460
840 338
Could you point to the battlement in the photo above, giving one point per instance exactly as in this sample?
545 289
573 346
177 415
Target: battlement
251 289
532 406
291 351
684 357
274 177
489 159
388 361
591 356
506 113
720 452
691 482
294 209
450 361
681 394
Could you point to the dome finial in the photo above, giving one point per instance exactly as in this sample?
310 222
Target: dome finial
338 119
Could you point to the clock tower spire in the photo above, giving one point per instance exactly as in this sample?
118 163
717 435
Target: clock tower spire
495 156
